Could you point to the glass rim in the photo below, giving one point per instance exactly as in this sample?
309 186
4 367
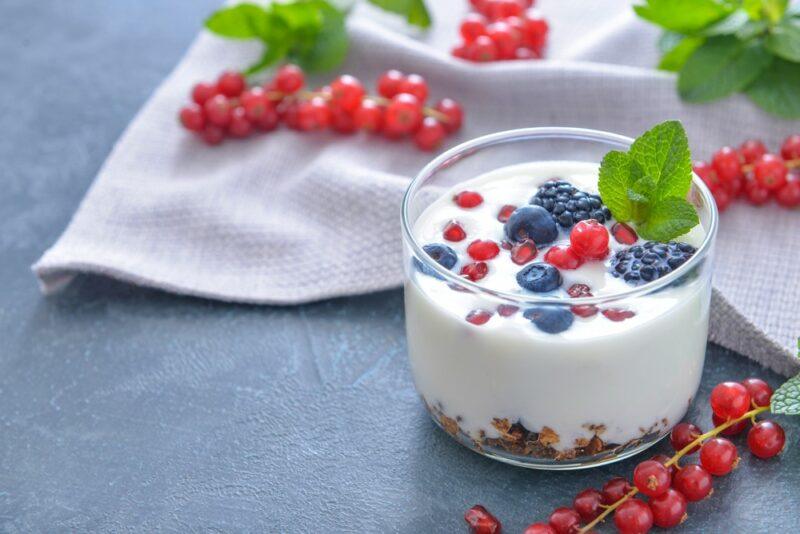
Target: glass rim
453 155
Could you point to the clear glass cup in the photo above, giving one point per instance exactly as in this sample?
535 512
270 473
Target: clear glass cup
582 398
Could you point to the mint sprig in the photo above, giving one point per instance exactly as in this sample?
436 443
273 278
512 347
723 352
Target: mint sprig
721 47
311 33
786 399
648 184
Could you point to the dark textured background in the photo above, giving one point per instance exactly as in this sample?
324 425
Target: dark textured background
128 409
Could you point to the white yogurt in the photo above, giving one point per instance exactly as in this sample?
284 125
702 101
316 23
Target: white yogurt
633 377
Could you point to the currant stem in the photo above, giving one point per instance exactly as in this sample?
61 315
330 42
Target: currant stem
674 460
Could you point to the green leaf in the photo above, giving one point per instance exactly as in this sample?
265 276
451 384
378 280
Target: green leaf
415 11
784 40
753 9
663 155
272 54
729 25
683 16
615 172
774 9
243 21
778 89
303 16
674 58
330 48
723 65
668 219
786 399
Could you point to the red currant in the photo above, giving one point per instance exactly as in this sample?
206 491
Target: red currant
472 27
633 517
589 240
346 92
231 83
788 196
479 317
588 504
414 84
268 120
505 37
453 231
403 114
389 83
204 91
732 430
707 173
540 528
766 439
212 134
480 521
770 172
507 310
218 110
255 103
289 79
523 252
669 509
617 314
682 435
320 113
468 199
482 250
454 113
652 478
475 271
756 194
461 51
760 391
790 149
192 117
624 234
615 489
563 258
663 458
727 164
239 127
719 456
694 482
505 212
535 33
430 134
342 121
722 198
369 116
752 149
730 400
483 49
565 520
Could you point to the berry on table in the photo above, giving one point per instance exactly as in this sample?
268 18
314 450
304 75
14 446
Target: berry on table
403 114
505 37
694 482
539 278
790 149
751 150
531 222
723 199
240 126
615 489
663 458
212 134
563 257
389 83
454 113
756 195
203 91
482 250
669 509
369 116
346 93
473 26
218 110
231 83
588 504
707 173
550 319
727 165
414 84
766 439
732 430
430 134
192 117
770 172
730 400
633 517
565 520
682 435
453 231
480 521
539 528
524 252
788 196
483 49
719 456
652 478
760 391
468 199
589 240
289 79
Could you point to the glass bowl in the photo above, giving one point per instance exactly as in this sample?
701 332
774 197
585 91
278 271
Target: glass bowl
597 393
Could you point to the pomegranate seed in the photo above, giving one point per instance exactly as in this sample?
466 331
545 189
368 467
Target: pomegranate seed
563 258
624 234
584 311
468 199
523 252
505 212
579 290
479 317
507 310
475 271
482 250
618 314
480 521
453 231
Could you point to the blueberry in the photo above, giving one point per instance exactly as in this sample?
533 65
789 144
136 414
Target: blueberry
531 222
539 277
550 320
441 254
568 204
649 261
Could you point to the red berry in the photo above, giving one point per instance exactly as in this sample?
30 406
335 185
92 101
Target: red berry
615 489
369 116
240 127
617 314
694 482
722 198
231 83
563 257
788 196
707 173
669 509
346 93
790 149
389 83
499 9
414 84
453 231
760 391
268 120
585 310
727 164
735 186
454 113
770 172
505 212
289 79
663 458
588 504
633 517
468 199
534 34
474 271
523 252
756 194
505 37
624 234
480 521
473 26
730 400
540 528
525 53
766 439
255 103
732 430
313 114
719 456
342 121
461 51
218 110
507 310
589 240
212 134
483 50
565 520
482 250
192 117
682 435
203 91
479 317
752 149
652 478
430 134
403 114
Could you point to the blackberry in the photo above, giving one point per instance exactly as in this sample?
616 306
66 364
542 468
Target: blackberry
640 264
569 205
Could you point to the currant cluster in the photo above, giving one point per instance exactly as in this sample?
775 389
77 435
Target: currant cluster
500 30
668 486
229 108
750 172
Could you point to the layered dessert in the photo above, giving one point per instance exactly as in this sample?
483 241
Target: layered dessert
557 340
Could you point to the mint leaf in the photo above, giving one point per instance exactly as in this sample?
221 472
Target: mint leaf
683 16
668 219
615 173
774 9
330 48
663 155
676 55
243 21
778 89
784 40
723 65
786 399
271 55
729 25
415 11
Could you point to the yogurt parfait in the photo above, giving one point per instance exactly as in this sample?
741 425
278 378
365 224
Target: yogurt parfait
542 330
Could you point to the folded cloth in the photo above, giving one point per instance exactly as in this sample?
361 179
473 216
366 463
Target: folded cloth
288 218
